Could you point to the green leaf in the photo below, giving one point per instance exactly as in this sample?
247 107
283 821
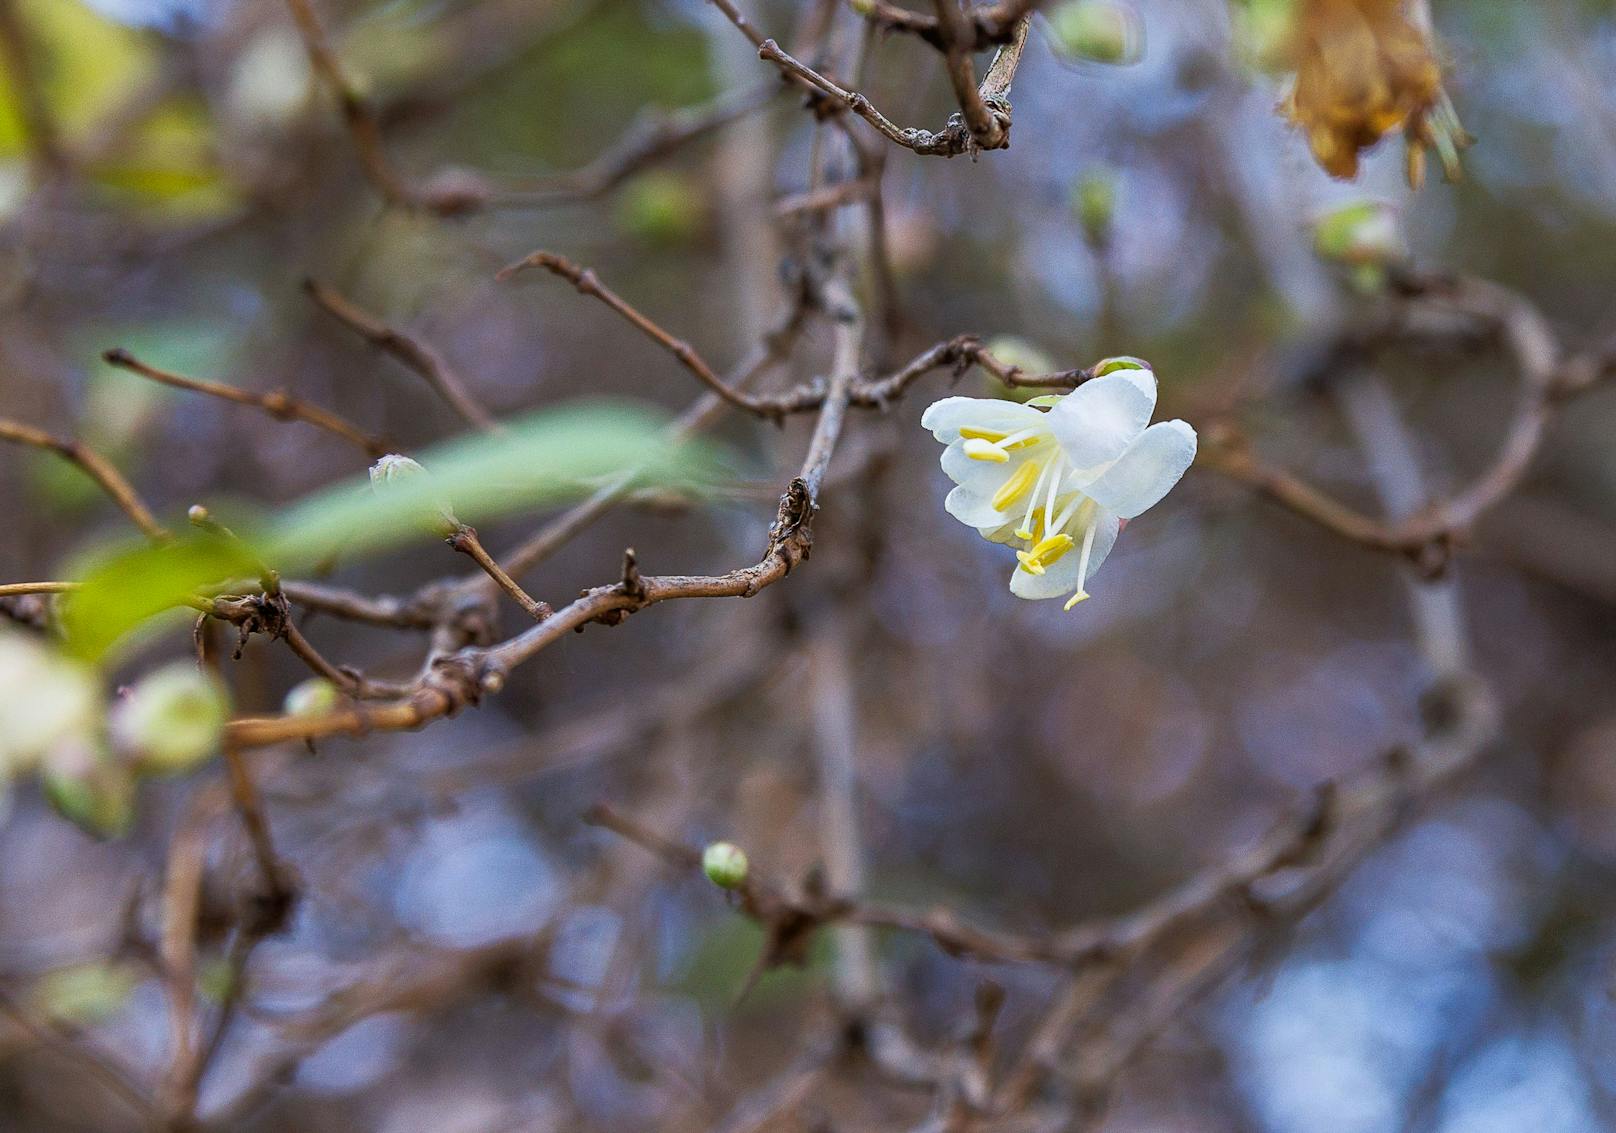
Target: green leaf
541 460
127 586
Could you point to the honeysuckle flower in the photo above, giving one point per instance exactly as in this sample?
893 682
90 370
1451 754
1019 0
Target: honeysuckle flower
46 699
173 718
1057 477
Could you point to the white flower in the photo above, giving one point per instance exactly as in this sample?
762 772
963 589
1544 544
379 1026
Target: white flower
172 718
45 700
1056 477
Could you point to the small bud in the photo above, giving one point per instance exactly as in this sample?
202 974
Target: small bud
394 472
725 865
313 697
45 699
1094 200
394 469
89 788
863 7
84 994
197 514
661 208
1120 362
1360 232
173 718
1098 30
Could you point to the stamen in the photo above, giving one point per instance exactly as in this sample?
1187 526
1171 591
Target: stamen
1083 567
1026 438
1026 530
1029 563
1050 550
971 432
1059 465
1015 487
978 449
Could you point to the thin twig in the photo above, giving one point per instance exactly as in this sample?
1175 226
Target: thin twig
16 589
278 403
464 539
588 283
96 466
410 350
357 116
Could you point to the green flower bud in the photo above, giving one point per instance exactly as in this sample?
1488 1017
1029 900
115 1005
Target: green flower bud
1120 362
45 699
725 865
314 697
661 208
172 719
1098 30
863 7
84 994
1360 233
1094 200
90 788
400 473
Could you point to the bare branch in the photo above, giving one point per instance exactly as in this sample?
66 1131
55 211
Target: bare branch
278 403
96 466
413 352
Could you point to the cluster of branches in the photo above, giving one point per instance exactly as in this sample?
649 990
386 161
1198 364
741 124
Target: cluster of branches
1122 980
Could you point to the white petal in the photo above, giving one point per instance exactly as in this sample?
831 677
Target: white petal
975 510
983 477
1145 472
1100 418
1060 578
944 418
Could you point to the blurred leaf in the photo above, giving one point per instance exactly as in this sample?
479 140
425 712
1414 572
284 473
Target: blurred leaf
86 993
544 459
125 587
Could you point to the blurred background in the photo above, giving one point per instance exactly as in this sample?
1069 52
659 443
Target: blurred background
1026 768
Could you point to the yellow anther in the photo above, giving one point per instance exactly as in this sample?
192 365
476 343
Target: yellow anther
1029 564
1080 596
1048 551
978 449
971 433
1021 480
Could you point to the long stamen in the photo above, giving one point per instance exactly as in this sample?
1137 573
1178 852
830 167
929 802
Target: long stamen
1025 530
1059 465
1011 491
1083 567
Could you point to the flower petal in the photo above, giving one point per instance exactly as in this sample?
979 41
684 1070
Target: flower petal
1100 418
985 476
976 510
944 418
1060 577
1146 471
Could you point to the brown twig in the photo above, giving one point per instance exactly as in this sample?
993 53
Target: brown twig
464 539
654 135
94 465
278 403
588 283
357 116
16 589
1429 536
412 352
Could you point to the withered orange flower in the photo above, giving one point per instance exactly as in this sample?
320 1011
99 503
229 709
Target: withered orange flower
1363 69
